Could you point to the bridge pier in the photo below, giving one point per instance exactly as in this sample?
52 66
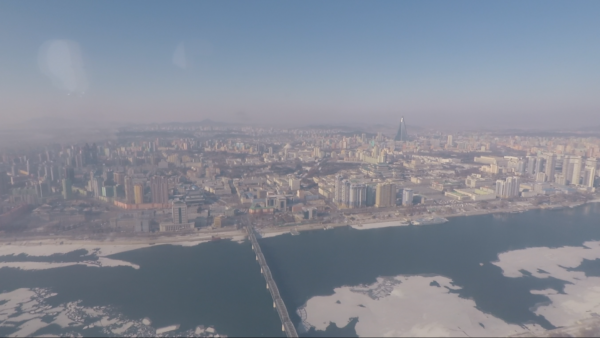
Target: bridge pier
267 286
274 305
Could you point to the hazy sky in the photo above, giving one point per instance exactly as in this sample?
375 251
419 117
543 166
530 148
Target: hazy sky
435 62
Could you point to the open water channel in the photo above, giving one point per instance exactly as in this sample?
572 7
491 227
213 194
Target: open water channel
218 285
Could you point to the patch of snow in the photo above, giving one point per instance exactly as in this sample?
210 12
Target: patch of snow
167 329
379 225
405 306
581 298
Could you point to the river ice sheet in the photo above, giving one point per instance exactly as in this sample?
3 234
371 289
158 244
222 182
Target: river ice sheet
406 306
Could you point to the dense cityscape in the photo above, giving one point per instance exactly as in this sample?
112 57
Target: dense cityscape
299 169
157 180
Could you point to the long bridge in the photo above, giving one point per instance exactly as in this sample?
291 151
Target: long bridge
286 323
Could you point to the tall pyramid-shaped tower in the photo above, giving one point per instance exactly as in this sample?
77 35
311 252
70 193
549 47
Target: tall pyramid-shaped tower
401 135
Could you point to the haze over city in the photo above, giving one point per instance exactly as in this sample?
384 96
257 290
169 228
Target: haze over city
444 64
299 168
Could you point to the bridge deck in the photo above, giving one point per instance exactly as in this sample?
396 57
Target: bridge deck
288 326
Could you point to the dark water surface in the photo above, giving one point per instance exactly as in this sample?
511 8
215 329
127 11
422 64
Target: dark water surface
219 283
216 283
316 262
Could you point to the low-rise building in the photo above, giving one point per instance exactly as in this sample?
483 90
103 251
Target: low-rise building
478 194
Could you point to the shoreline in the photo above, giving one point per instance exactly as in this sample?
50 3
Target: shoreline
183 240
239 235
276 231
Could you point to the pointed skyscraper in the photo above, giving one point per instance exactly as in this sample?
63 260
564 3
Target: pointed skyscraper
401 135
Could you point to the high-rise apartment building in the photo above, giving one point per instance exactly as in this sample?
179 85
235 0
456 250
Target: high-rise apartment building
54 172
358 196
575 179
407 197
346 187
138 193
79 160
42 187
97 184
550 164
67 189
513 184
371 195
179 213
3 183
160 189
521 167
589 176
591 162
531 165
567 168
119 178
294 183
108 175
108 191
539 164
385 195
540 177
499 188
338 187
129 190
560 179
69 173
510 187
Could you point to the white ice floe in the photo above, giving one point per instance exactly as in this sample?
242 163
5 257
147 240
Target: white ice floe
379 225
553 261
405 306
122 329
101 262
187 243
29 327
9 301
581 297
34 265
22 311
167 329
48 248
109 262
274 234
239 238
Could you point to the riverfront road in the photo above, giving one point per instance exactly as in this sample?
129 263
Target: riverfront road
286 323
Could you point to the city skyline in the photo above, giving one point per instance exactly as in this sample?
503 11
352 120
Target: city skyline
146 186
333 168
443 64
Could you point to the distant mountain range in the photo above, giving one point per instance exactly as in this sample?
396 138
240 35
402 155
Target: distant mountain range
205 123
54 123
81 122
